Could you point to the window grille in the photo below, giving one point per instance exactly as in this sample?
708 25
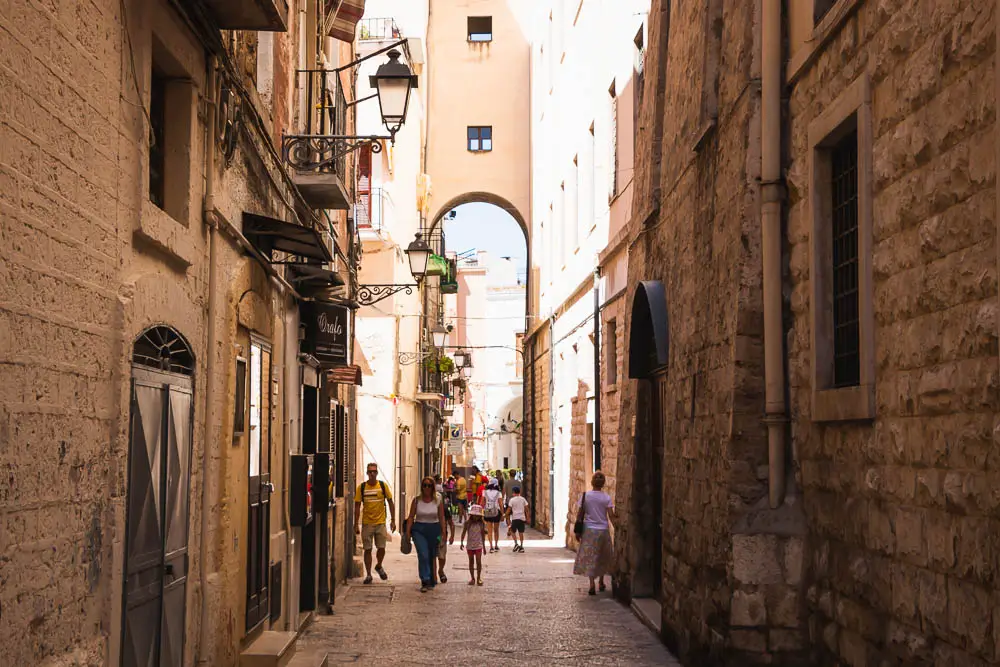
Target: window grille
846 320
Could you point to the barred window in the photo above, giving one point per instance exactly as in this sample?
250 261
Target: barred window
846 332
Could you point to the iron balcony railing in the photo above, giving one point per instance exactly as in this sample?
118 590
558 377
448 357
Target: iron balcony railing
378 29
325 119
370 209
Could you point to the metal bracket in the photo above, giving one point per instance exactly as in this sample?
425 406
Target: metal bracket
407 358
308 152
371 294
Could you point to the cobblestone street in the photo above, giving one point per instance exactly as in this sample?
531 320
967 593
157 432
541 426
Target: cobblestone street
531 610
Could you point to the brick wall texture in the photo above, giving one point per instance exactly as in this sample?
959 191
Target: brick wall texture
885 551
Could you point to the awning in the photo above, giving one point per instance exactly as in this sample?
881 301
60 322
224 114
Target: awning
270 234
344 375
649 335
314 276
345 19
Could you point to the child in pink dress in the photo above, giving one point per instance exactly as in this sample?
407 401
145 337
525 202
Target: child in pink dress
475 528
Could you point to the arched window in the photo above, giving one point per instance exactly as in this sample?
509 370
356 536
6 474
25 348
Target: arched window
164 349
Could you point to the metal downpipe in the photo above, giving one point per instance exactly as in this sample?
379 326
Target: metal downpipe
776 416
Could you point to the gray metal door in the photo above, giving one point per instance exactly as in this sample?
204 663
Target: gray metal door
156 547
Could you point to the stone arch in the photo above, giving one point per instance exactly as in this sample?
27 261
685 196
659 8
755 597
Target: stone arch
485 198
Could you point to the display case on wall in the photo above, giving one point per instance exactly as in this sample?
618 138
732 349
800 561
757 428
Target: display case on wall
301 496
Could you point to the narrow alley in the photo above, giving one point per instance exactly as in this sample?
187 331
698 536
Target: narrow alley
530 610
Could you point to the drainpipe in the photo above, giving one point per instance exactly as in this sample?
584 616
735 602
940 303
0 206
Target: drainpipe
552 424
208 481
597 368
776 415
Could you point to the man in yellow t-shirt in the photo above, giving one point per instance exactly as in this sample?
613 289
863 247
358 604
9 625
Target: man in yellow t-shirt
463 504
373 495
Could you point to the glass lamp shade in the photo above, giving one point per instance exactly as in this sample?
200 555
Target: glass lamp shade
460 358
392 82
467 372
440 336
418 252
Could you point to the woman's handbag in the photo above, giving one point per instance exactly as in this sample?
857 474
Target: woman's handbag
578 526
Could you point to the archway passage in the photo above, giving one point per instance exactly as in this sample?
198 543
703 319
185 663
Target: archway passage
484 302
649 350
483 198
159 470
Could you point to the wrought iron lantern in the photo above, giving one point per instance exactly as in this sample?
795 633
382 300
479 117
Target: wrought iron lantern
392 82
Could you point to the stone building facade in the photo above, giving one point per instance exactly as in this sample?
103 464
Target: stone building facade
152 332
584 102
806 445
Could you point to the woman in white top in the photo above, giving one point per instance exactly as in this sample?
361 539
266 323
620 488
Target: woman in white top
593 555
425 526
493 511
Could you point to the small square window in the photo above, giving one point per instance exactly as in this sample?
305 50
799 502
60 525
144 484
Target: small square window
480 29
480 139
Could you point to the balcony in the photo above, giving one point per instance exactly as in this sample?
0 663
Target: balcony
433 387
378 30
263 15
316 158
371 208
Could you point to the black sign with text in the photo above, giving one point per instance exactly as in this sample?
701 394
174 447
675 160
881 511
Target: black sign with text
326 331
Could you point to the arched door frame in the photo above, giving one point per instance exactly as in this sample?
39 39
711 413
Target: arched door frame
157 520
649 355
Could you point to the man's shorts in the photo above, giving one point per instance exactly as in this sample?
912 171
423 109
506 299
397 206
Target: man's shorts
373 532
517 525
463 503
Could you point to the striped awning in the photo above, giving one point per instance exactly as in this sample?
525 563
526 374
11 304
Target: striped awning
343 23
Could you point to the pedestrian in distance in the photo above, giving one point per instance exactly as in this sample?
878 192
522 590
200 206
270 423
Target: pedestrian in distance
517 518
372 496
460 496
493 511
595 511
475 530
476 486
446 539
425 526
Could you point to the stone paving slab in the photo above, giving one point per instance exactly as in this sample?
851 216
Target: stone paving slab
530 610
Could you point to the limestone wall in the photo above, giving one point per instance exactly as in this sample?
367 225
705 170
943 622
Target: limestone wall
903 511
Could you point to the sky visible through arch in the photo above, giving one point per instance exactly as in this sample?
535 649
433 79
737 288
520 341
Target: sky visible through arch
479 226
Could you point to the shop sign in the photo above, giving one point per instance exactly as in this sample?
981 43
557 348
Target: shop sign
456 443
326 336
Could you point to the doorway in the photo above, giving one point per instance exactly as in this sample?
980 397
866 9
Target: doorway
159 473
259 484
649 353
648 506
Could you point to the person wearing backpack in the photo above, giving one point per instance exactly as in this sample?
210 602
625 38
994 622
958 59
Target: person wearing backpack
373 495
493 513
